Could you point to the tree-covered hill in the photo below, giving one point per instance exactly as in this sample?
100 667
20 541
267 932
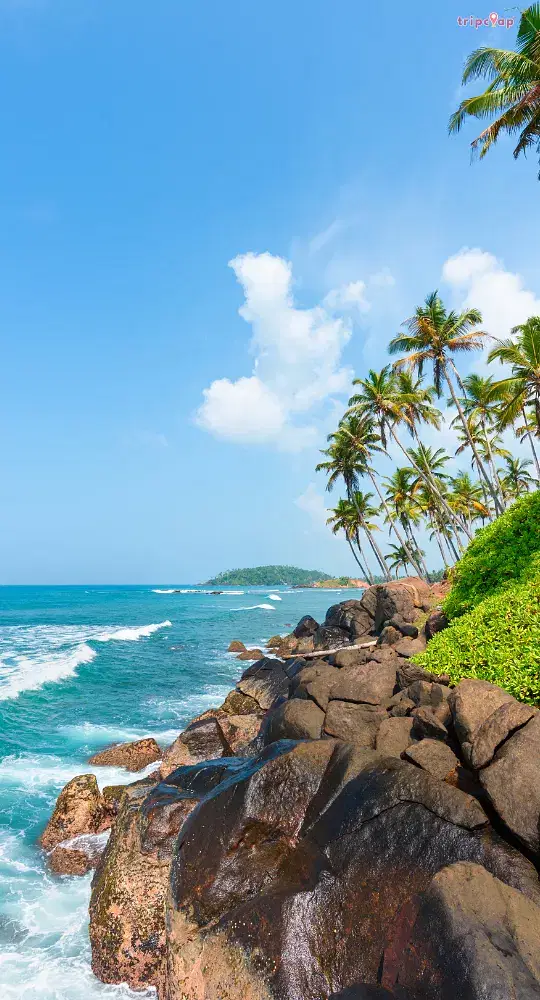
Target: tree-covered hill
267 576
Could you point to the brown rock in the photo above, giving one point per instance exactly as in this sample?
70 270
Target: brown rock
250 654
202 740
112 796
274 642
352 657
132 756
408 672
436 622
265 681
237 703
79 809
389 636
394 736
307 626
239 730
356 724
469 935
472 702
330 637
236 646
297 719
371 683
306 645
410 647
512 782
316 682
426 725
504 721
433 756
69 861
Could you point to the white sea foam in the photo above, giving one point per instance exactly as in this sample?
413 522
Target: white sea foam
163 591
43 774
253 607
233 593
31 656
92 844
92 734
274 597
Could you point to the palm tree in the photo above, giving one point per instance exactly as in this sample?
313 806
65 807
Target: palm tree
366 511
433 336
344 517
466 498
380 400
523 386
398 558
515 478
342 461
477 404
512 96
358 432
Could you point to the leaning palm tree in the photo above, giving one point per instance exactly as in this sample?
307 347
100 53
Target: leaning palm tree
433 336
344 517
379 399
477 404
516 478
523 356
398 558
366 512
512 96
358 433
466 498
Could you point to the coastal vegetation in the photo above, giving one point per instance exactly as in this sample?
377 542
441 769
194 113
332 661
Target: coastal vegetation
267 576
512 96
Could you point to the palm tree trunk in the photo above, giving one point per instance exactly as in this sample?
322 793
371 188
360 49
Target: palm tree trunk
369 574
399 537
491 461
457 404
356 559
531 442
439 543
378 554
425 477
416 548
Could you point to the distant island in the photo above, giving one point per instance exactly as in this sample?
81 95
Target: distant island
268 576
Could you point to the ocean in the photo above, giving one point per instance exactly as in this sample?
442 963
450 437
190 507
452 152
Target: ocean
80 668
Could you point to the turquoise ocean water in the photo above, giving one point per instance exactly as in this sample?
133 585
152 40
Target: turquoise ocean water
80 668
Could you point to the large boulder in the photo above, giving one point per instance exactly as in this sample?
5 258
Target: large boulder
264 681
436 622
371 682
202 740
472 702
297 719
318 854
504 721
467 936
307 626
132 756
433 756
512 782
127 928
356 724
79 809
315 682
330 637
352 617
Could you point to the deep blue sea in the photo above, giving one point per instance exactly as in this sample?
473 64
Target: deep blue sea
80 668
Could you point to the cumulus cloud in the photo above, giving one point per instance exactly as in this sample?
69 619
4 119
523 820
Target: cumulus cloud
297 362
348 297
479 279
314 505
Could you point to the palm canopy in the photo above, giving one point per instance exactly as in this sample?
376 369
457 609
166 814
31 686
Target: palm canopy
512 96
522 388
433 335
516 476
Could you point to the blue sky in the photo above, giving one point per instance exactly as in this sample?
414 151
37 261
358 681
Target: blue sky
149 431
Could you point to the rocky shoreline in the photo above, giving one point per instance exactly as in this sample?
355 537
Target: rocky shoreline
345 825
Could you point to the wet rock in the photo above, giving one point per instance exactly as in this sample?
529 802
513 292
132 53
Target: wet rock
69 861
250 654
202 740
239 731
236 646
469 935
237 703
472 702
79 809
307 626
111 797
356 724
370 682
294 665
512 782
297 719
436 622
283 882
352 617
394 736
504 721
426 725
315 682
433 756
264 681
131 756
330 637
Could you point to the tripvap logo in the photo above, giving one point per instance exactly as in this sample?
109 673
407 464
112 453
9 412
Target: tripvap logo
493 21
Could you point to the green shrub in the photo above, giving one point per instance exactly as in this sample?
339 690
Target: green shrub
498 641
501 553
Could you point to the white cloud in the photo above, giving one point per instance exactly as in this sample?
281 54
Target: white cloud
382 279
348 297
314 505
481 280
297 363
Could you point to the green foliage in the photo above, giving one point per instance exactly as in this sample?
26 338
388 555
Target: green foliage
499 641
267 576
504 552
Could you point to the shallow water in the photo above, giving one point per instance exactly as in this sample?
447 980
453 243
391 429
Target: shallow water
82 667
